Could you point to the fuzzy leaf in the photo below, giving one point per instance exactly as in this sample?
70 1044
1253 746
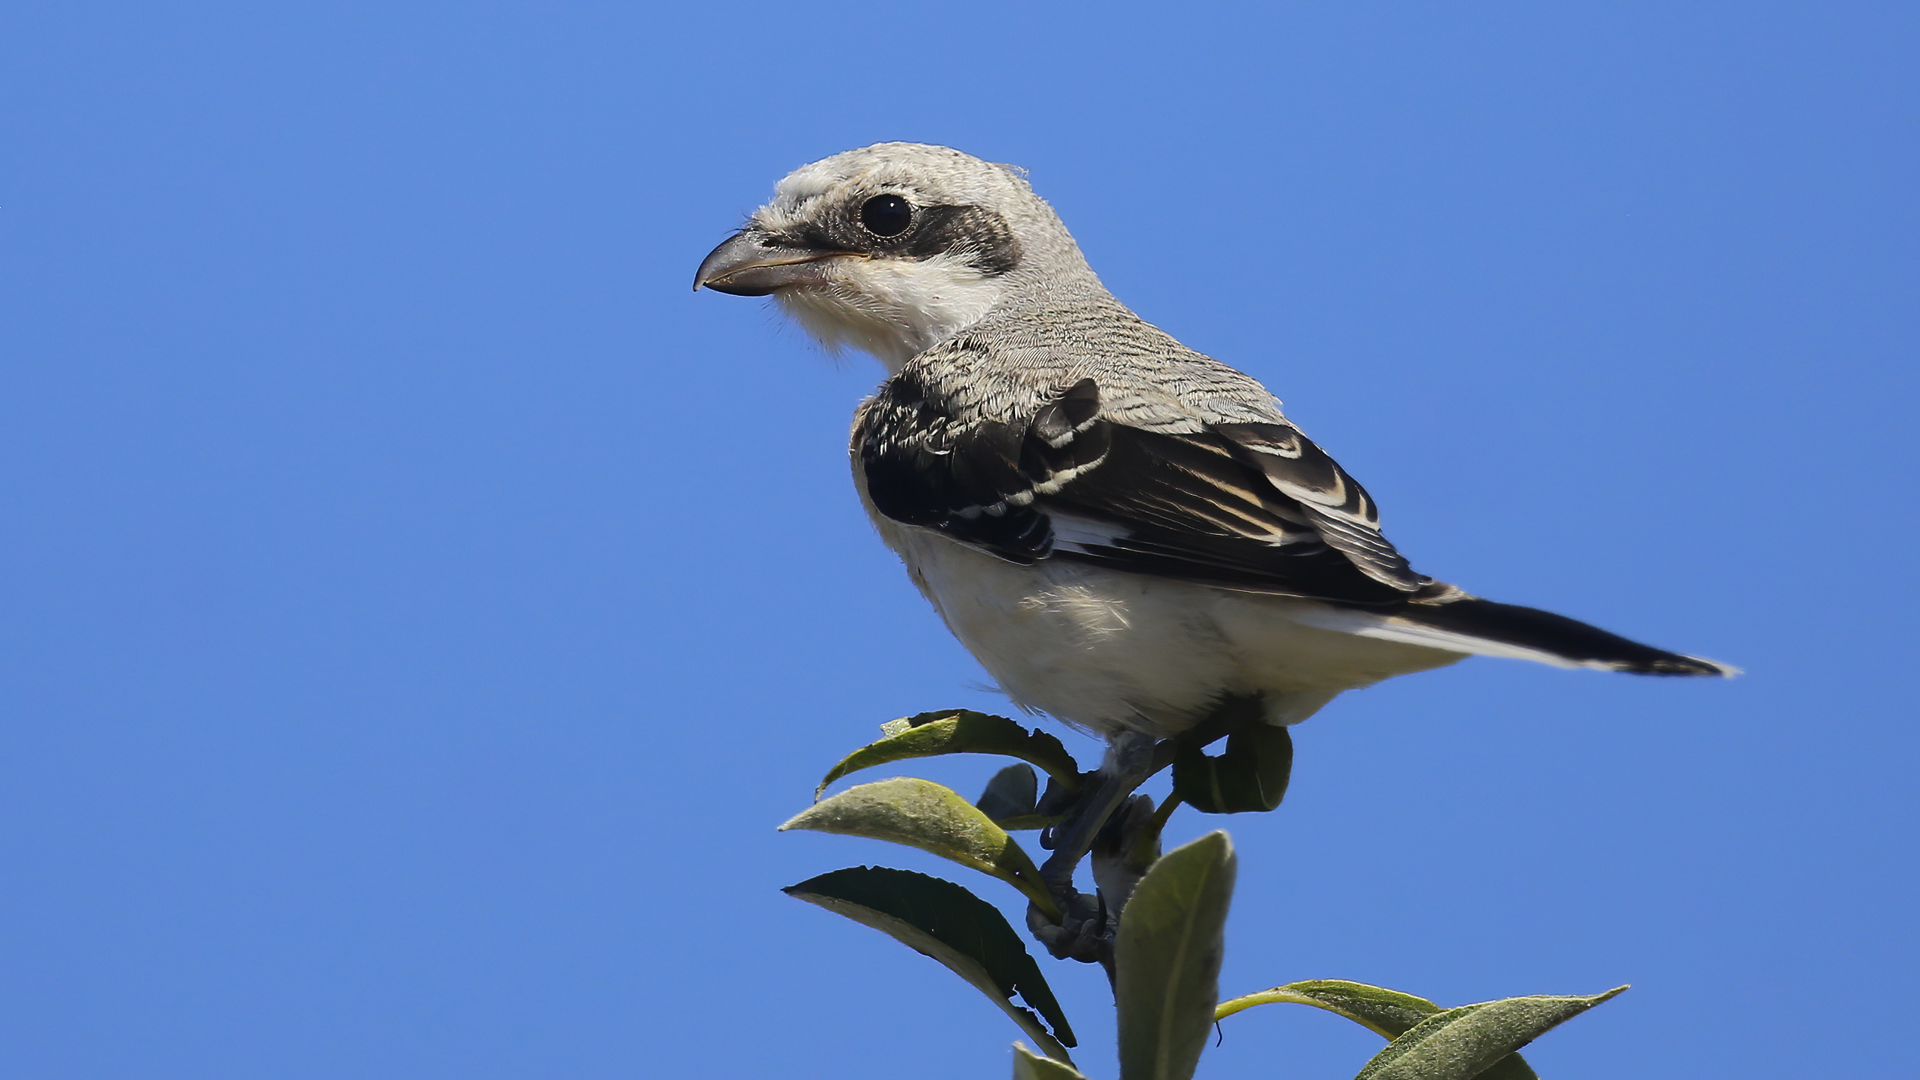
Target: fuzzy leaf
1167 959
960 731
1463 1043
939 919
1028 1065
1388 1013
923 814
1385 1012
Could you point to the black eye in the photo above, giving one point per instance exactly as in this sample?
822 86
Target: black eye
886 215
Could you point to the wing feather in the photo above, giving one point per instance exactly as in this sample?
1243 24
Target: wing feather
1249 505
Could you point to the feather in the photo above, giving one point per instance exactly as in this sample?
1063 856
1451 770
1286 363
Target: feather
1203 506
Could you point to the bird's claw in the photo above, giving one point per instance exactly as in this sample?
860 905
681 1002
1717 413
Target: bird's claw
1081 934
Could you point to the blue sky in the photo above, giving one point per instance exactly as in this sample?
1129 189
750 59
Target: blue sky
420 607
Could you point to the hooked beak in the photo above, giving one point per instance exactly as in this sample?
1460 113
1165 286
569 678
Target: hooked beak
748 265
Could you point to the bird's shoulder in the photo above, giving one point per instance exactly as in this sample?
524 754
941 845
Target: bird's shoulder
1010 365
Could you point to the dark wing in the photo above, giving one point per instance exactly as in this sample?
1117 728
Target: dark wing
1248 505
1252 506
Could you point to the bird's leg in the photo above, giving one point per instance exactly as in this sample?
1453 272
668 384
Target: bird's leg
1130 761
1121 853
1124 849
1121 831
1084 931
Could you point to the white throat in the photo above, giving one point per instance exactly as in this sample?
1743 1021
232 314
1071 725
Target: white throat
893 308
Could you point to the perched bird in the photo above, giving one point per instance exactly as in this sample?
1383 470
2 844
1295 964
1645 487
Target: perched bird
1122 530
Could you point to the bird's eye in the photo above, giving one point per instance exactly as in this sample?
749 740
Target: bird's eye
886 215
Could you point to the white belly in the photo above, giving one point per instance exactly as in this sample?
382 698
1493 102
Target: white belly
1107 651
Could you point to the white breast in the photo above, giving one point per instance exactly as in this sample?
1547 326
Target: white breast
1106 650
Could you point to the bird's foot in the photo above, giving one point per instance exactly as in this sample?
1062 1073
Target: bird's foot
1085 929
1081 934
1121 852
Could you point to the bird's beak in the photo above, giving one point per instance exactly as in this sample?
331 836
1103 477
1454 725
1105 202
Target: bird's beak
748 264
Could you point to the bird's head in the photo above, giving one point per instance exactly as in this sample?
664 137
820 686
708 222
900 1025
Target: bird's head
895 247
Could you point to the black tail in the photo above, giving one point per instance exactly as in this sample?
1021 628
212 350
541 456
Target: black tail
1569 640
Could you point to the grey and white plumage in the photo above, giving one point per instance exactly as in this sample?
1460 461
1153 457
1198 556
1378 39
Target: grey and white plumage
1122 530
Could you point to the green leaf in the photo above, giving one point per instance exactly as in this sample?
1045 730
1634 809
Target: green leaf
960 731
1251 776
1167 959
937 918
1388 1013
1463 1043
1012 794
923 814
1511 1067
1028 1065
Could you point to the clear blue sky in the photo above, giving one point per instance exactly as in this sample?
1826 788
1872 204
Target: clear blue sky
419 608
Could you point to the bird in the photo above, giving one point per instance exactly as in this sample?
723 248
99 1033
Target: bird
1122 530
